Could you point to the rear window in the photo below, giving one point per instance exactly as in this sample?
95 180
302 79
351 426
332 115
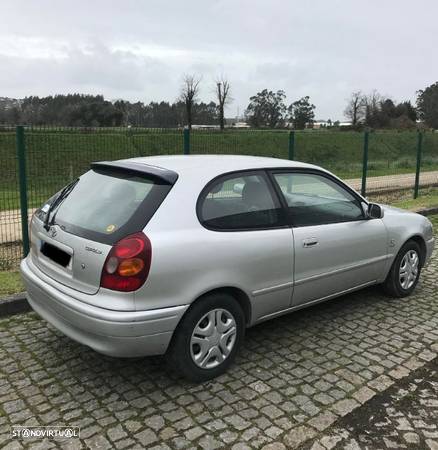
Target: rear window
106 205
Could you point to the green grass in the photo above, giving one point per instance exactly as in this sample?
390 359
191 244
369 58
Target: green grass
434 220
10 283
56 156
428 199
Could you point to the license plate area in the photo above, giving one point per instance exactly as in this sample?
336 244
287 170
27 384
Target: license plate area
55 254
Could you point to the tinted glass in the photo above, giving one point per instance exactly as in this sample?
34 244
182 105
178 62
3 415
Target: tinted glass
239 202
104 204
316 200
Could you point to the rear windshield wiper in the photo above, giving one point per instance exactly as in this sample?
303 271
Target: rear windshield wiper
48 222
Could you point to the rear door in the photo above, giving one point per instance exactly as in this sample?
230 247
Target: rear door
108 203
336 248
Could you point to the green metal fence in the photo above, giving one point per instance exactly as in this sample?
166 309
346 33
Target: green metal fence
38 161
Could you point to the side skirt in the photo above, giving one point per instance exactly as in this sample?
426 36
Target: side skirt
313 302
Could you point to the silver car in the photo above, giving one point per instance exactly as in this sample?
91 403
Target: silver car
177 255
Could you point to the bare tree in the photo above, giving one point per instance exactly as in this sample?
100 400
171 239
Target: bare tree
373 100
223 98
189 95
355 109
373 104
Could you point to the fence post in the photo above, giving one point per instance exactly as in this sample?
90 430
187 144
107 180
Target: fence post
365 163
186 141
417 171
21 156
291 145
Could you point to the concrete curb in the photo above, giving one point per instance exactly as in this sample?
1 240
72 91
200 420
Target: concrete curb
14 304
428 211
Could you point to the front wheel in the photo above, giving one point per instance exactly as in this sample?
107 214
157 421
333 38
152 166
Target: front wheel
206 341
405 271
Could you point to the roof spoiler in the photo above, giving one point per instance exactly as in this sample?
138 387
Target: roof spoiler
165 175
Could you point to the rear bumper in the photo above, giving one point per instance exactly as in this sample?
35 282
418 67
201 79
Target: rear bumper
113 333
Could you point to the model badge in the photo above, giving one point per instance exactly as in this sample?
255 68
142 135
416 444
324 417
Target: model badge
94 250
53 232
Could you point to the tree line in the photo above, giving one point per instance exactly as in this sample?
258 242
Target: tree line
94 111
377 111
266 109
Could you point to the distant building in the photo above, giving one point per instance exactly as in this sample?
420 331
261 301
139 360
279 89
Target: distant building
205 127
240 125
318 124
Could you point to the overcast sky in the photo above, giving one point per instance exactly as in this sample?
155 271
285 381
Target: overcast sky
139 50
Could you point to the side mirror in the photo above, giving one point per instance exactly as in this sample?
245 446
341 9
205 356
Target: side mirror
374 211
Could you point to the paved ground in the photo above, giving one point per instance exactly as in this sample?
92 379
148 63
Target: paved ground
296 380
403 416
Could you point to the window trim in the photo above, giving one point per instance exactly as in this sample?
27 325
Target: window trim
307 171
263 173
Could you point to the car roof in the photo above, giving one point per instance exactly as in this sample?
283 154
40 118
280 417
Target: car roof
213 165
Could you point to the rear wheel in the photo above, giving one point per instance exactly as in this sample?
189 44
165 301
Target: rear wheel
206 341
405 271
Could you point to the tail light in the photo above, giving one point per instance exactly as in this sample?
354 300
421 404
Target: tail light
128 263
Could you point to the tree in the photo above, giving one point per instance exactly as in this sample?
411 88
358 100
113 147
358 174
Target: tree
372 109
406 109
427 104
301 112
124 108
386 113
382 112
189 95
223 99
266 109
206 113
355 109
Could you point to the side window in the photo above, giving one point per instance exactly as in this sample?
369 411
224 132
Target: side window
316 200
241 201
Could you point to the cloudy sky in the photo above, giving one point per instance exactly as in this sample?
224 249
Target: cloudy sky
139 50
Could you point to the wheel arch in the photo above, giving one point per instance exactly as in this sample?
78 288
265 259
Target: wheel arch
421 243
238 294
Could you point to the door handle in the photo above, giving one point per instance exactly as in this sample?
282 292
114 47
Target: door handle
310 242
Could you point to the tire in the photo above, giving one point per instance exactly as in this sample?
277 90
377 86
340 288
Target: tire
206 340
397 285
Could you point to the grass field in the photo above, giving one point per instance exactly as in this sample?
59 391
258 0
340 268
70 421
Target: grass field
428 199
10 283
55 157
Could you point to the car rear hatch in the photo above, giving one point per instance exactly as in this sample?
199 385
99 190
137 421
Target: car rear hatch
108 203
